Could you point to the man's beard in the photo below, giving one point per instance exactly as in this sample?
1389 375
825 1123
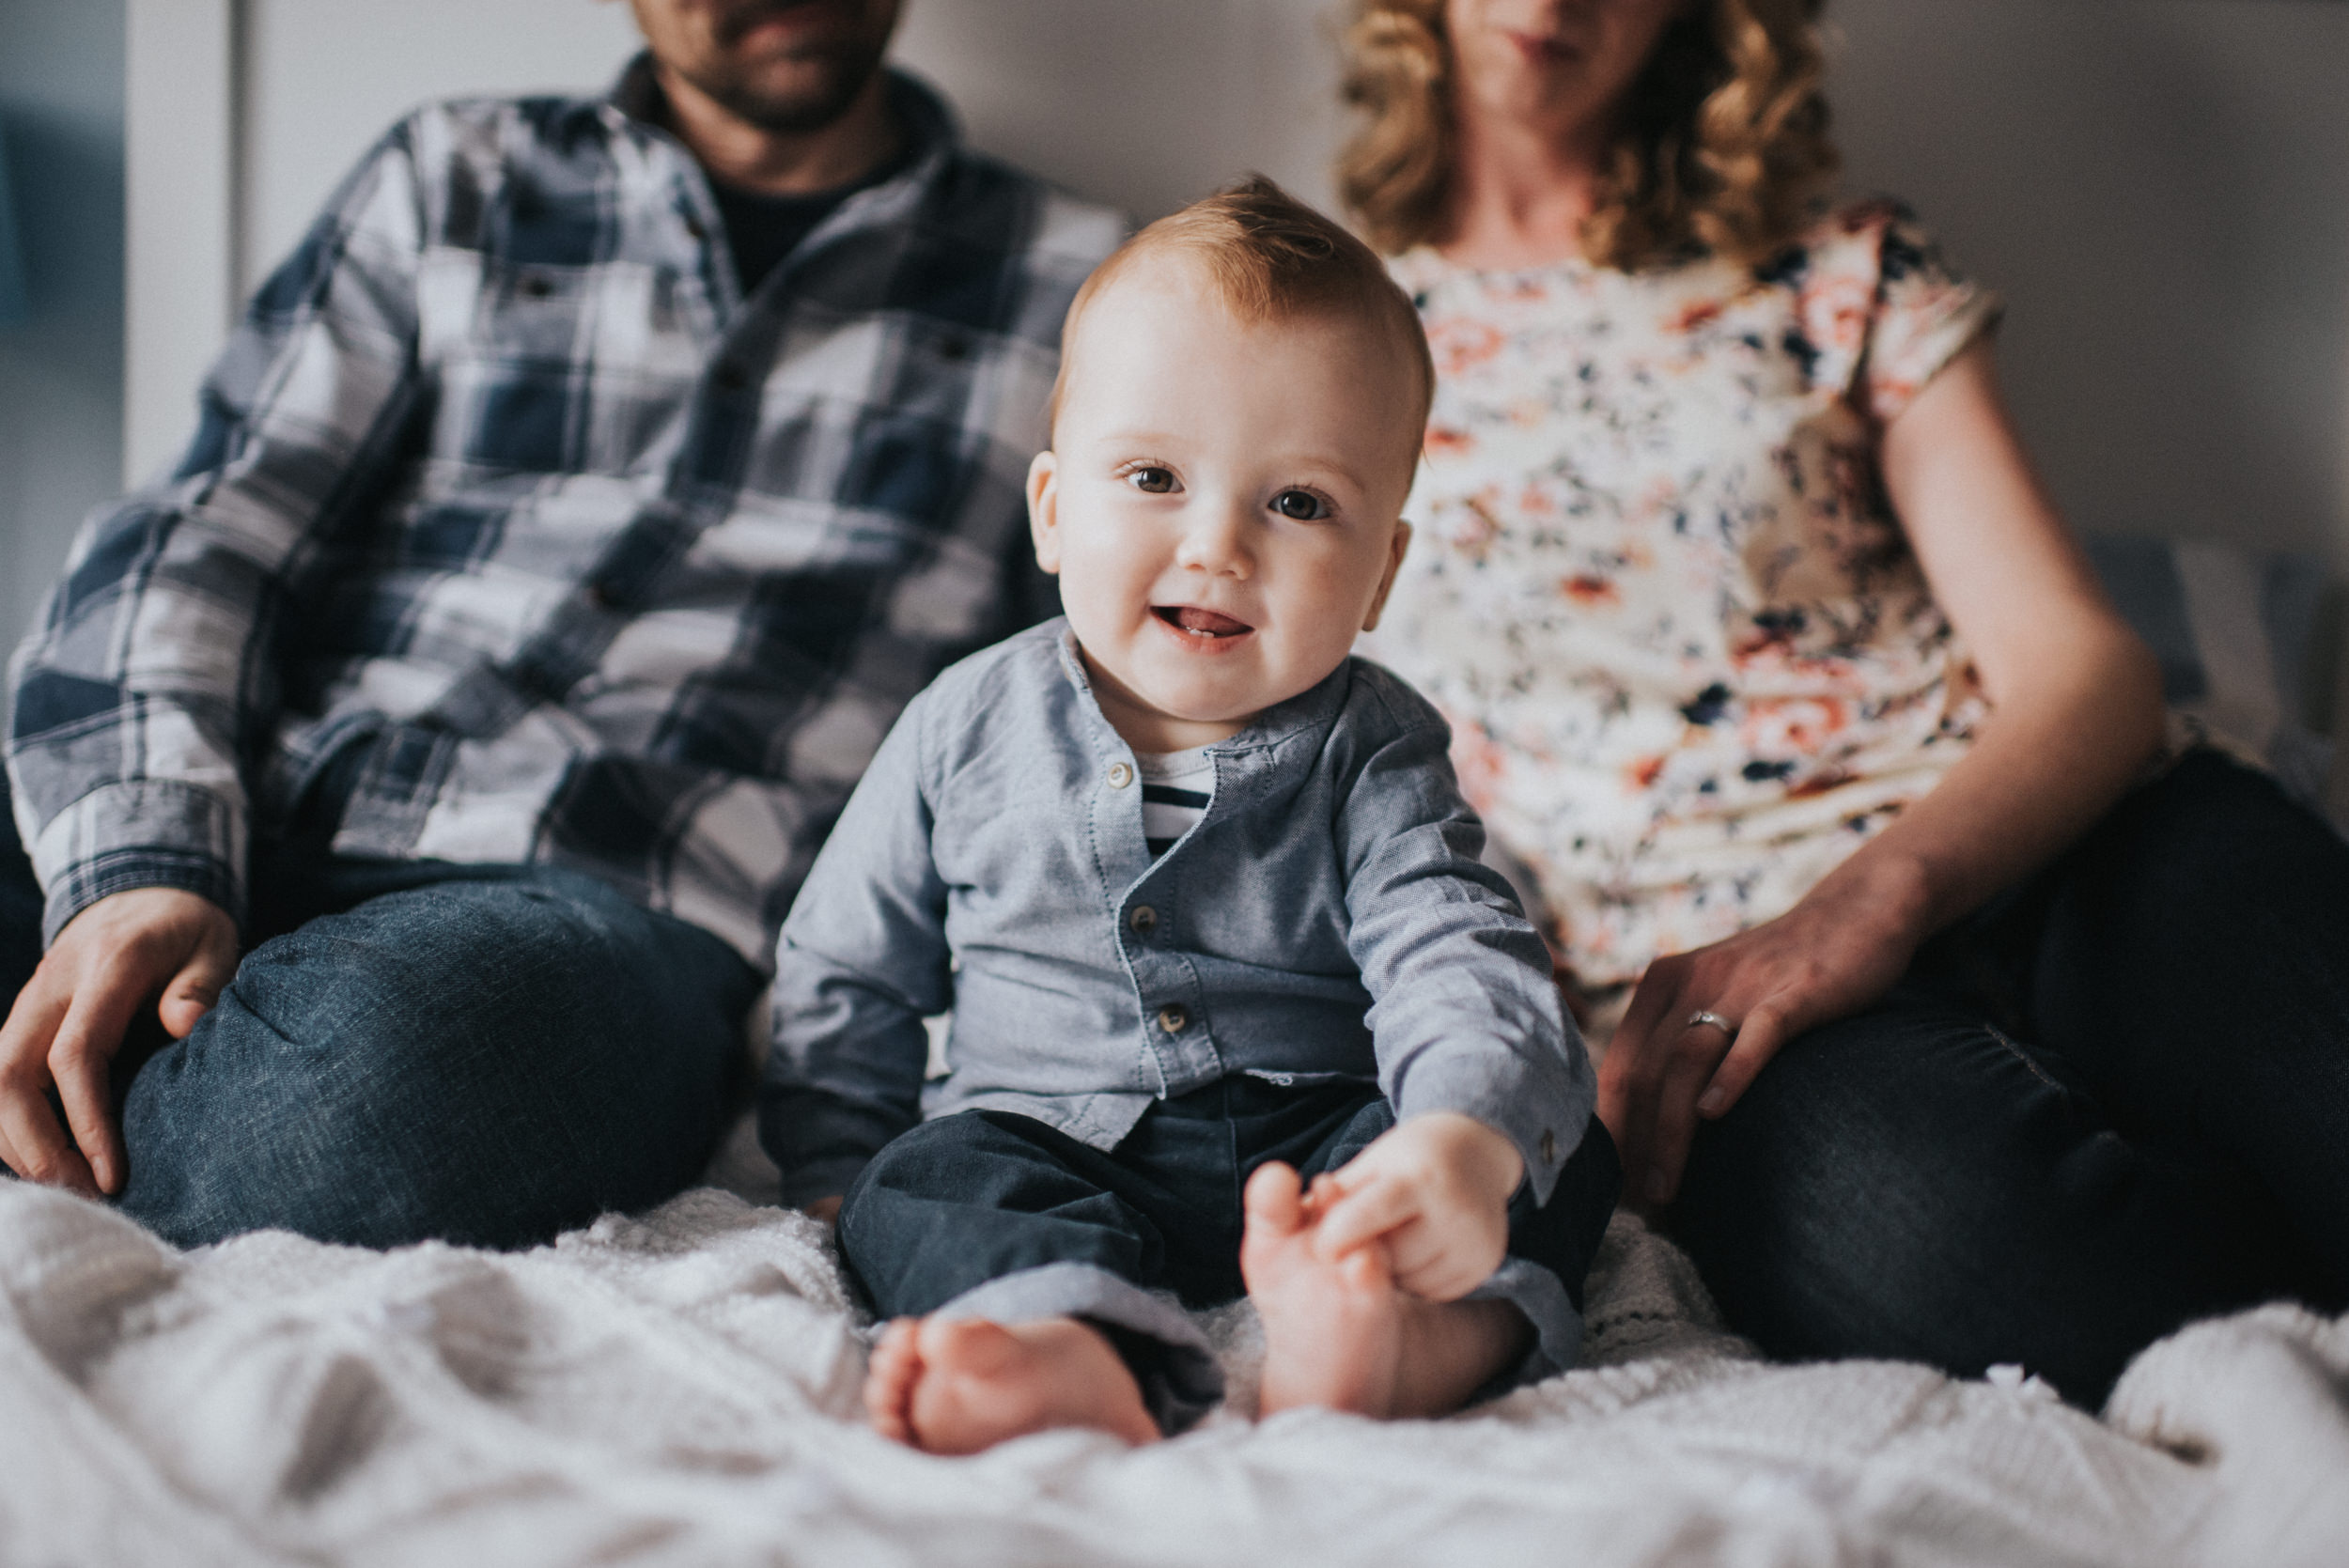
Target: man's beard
833 72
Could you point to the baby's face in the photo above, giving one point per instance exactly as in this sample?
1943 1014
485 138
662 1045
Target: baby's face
1223 501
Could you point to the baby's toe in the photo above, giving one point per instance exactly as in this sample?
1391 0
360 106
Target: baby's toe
889 1379
1274 1199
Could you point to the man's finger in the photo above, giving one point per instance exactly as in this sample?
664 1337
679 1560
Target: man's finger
39 1150
84 1046
30 1139
196 989
31 1024
1362 1216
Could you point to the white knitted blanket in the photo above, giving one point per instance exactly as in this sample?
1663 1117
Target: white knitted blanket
680 1388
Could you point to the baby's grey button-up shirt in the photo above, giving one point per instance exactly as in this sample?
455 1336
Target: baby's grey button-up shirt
1326 917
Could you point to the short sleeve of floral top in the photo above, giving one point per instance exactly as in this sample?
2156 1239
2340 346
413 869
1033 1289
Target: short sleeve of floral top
1689 660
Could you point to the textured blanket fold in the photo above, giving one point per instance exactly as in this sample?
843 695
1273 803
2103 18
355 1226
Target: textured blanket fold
680 1387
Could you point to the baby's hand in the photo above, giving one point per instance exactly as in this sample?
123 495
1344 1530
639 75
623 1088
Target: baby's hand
1435 1191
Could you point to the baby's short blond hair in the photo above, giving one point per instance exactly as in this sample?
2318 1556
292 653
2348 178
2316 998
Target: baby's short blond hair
1270 258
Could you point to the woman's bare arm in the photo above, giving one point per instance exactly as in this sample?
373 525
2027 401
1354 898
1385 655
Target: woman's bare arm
2076 697
2075 715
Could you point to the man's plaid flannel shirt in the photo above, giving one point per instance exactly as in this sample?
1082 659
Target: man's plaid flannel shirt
505 502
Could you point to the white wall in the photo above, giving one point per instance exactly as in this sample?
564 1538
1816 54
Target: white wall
60 371
323 78
2159 187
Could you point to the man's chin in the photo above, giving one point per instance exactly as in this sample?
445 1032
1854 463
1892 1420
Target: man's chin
806 94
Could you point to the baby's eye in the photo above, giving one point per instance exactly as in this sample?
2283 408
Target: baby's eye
1152 478
1301 505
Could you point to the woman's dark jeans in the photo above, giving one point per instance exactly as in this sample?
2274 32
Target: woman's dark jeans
2114 1101
483 1054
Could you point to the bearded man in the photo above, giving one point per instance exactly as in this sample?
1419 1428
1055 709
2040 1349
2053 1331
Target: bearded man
414 782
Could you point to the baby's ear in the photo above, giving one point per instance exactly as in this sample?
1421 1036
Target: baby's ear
1386 584
1044 510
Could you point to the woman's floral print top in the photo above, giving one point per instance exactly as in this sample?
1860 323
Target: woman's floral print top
1689 660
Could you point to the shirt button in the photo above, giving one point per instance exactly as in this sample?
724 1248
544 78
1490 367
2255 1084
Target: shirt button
1144 920
1120 775
1173 1017
1549 1149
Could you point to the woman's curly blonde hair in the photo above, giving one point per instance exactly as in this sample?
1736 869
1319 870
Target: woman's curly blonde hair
1724 147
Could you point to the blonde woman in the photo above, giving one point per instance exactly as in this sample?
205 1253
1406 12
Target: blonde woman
1953 1016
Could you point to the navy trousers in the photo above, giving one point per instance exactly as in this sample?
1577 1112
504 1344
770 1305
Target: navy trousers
989 1198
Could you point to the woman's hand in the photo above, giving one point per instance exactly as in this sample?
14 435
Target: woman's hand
1837 951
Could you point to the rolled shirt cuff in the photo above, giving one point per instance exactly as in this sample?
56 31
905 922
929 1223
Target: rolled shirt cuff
819 1142
1543 1115
1541 1296
154 834
1181 1378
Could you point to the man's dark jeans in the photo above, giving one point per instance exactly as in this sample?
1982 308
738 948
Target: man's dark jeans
483 1054
2114 1101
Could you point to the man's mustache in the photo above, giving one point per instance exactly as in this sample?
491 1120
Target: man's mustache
734 18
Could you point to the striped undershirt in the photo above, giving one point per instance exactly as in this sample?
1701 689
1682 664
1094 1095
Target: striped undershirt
1174 790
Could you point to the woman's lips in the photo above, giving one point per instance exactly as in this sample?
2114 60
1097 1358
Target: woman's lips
1540 51
1202 625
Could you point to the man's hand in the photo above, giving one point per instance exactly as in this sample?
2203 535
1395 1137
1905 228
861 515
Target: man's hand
825 1209
1434 1190
68 1022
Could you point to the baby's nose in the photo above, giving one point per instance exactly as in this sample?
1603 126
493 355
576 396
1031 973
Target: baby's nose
1218 542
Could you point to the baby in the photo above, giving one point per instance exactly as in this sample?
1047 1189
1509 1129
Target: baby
1234 1007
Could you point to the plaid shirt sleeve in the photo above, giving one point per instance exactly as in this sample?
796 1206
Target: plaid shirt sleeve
144 689
515 531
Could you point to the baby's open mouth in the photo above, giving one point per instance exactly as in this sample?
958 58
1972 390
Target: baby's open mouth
1199 623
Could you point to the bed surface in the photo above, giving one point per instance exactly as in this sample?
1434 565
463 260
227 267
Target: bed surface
679 1389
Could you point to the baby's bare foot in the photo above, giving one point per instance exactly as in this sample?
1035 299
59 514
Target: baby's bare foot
1344 1336
1333 1331
963 1384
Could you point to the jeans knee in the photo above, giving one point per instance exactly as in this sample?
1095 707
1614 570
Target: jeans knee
480 1061
1865 1162
426 980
